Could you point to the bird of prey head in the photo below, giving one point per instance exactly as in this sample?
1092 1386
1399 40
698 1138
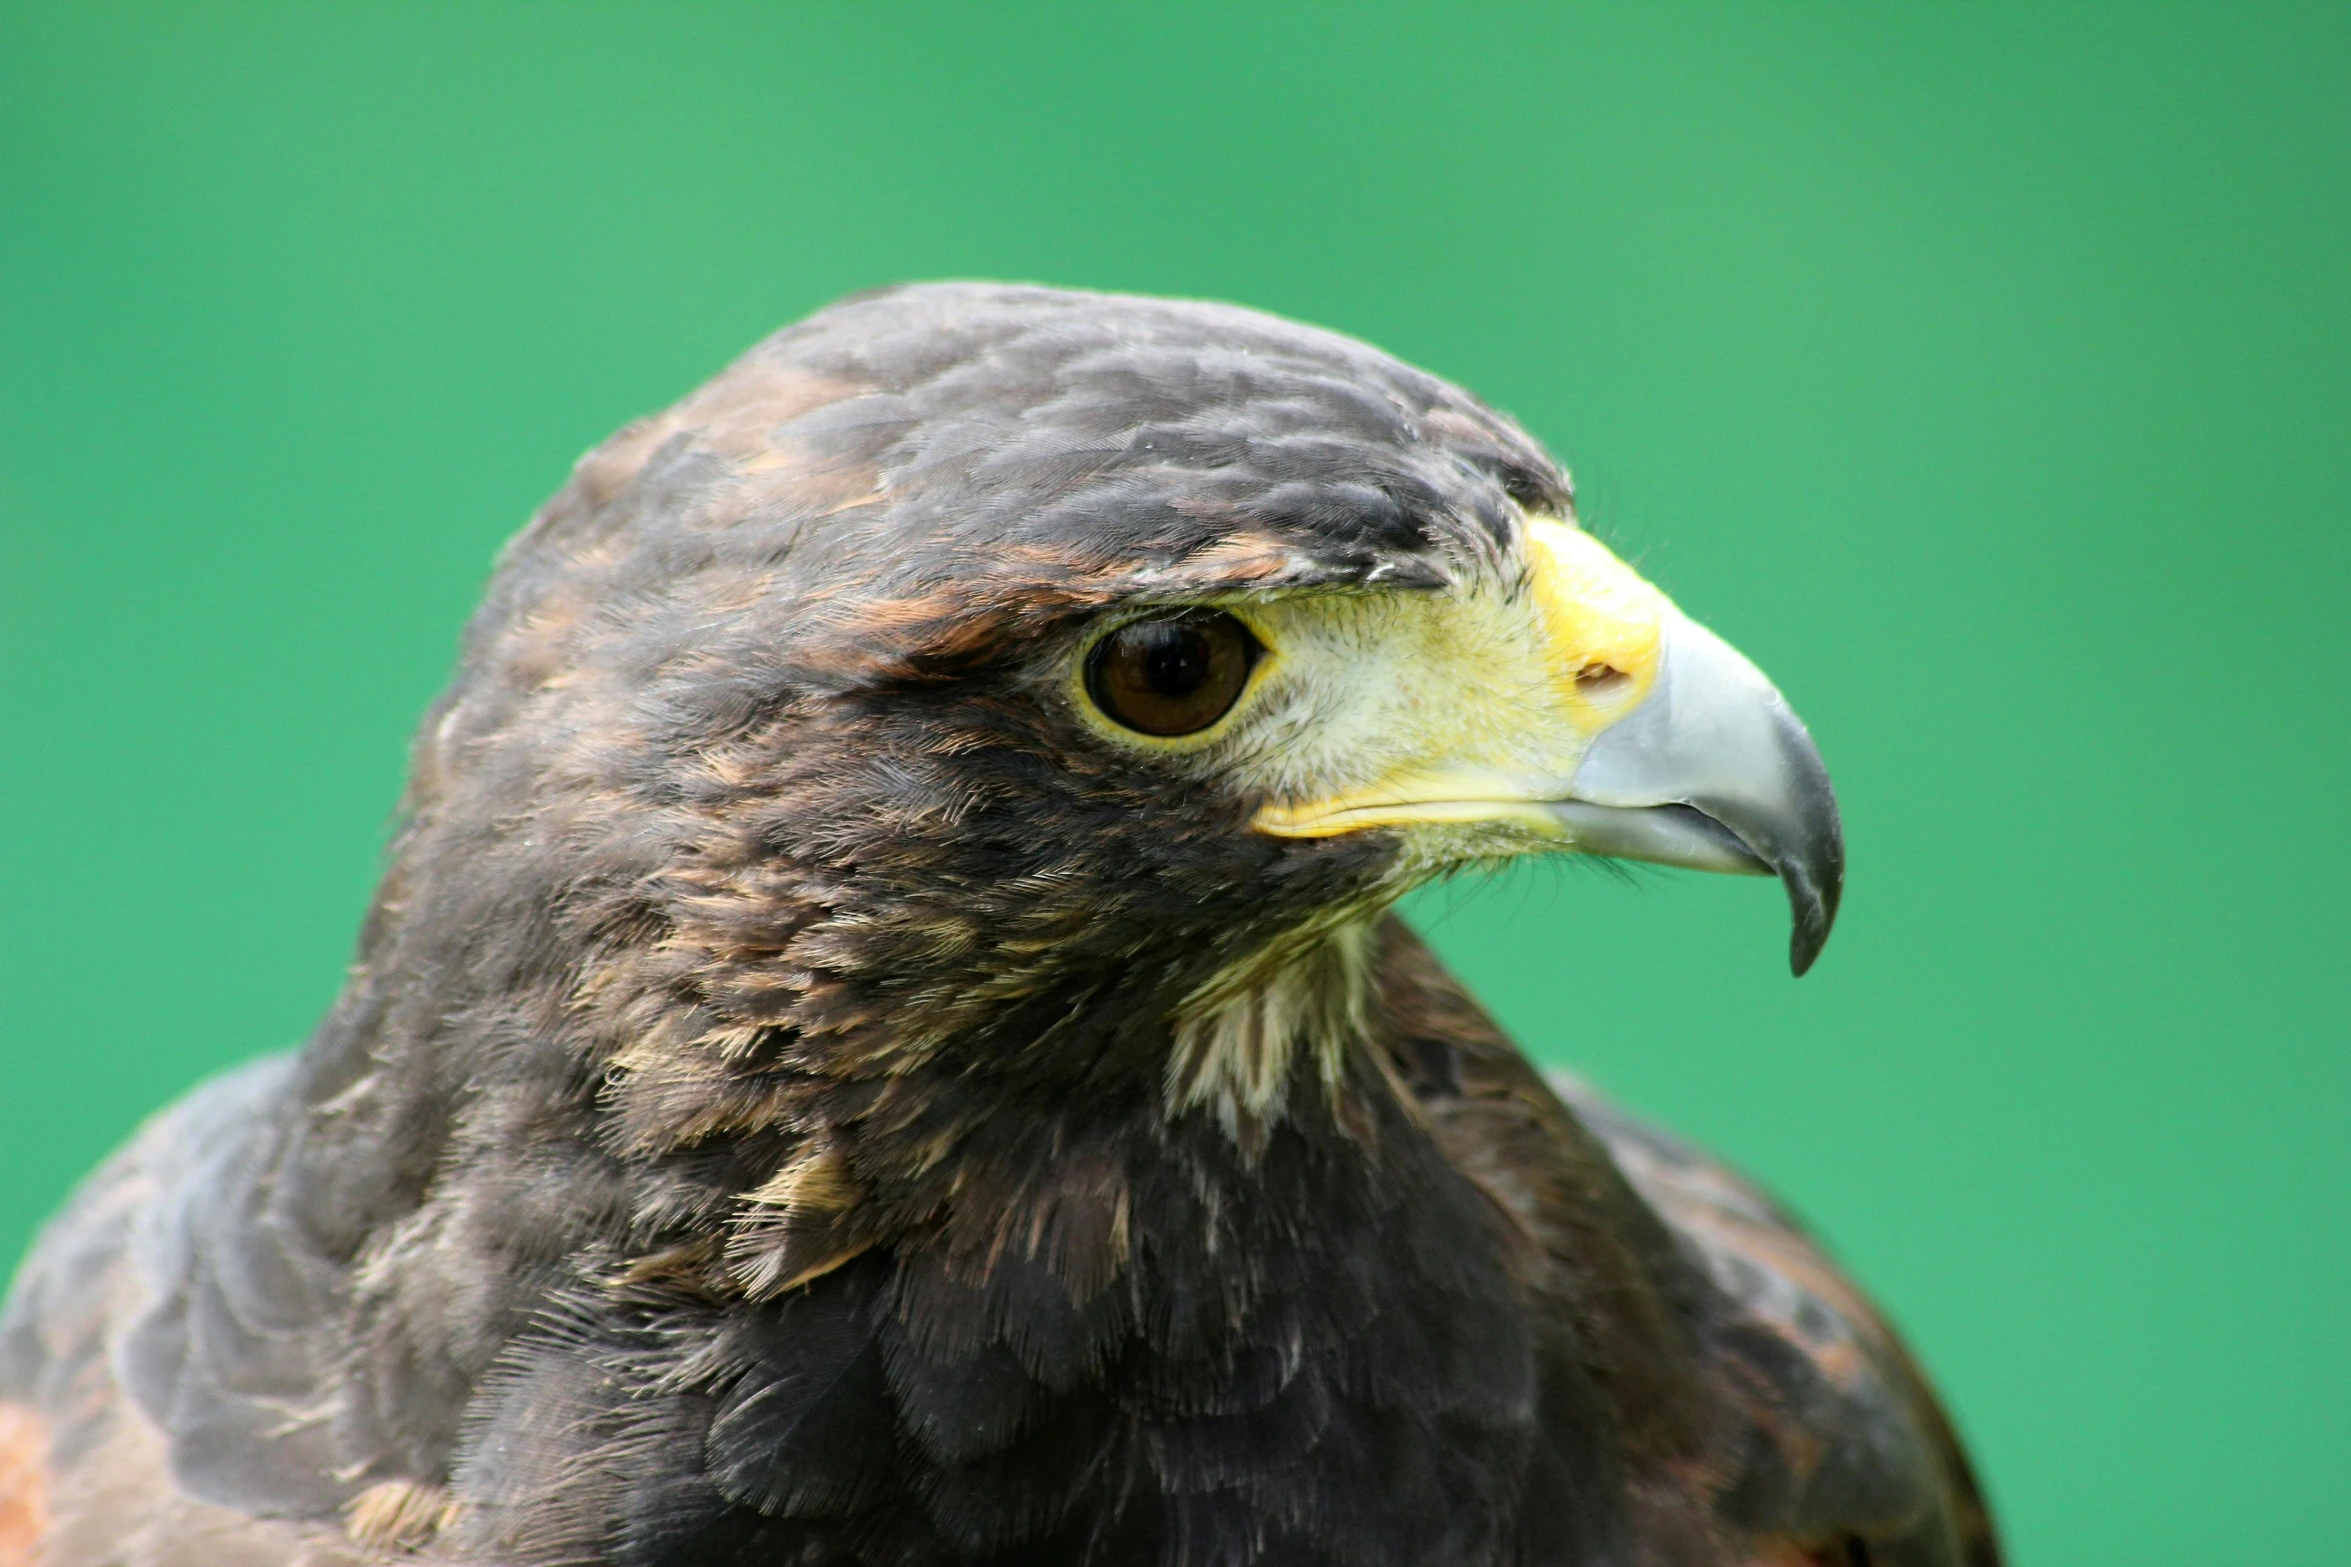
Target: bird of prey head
880 1039
1011 672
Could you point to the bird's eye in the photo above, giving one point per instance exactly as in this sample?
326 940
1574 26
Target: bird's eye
1172 676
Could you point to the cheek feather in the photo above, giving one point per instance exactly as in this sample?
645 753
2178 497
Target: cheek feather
1383 686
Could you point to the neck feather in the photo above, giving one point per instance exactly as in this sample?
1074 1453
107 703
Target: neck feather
1283 1022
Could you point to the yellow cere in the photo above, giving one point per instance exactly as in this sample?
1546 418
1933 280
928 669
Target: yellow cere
1464 709
1600 617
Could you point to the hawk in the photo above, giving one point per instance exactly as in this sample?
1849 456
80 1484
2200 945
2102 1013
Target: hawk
882 1040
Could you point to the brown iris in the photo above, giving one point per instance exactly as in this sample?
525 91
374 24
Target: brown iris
1174 675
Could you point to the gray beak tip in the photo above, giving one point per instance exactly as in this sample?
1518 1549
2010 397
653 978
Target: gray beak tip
1812 868
1814 910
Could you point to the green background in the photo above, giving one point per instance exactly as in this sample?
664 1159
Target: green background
1981 372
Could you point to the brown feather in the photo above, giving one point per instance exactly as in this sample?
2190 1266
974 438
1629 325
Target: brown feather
804 1094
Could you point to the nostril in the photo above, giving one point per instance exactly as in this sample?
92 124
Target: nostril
1601 682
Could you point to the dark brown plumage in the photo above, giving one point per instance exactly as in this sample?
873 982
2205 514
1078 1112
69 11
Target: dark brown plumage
812 1091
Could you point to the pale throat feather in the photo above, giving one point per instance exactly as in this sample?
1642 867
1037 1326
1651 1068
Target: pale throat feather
1293 1010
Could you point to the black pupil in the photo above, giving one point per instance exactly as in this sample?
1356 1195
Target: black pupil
1176 662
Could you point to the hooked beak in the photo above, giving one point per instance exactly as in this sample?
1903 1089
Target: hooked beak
1607 723
1715 772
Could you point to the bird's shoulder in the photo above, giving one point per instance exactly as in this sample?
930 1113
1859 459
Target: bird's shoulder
1783 1407
163 1339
